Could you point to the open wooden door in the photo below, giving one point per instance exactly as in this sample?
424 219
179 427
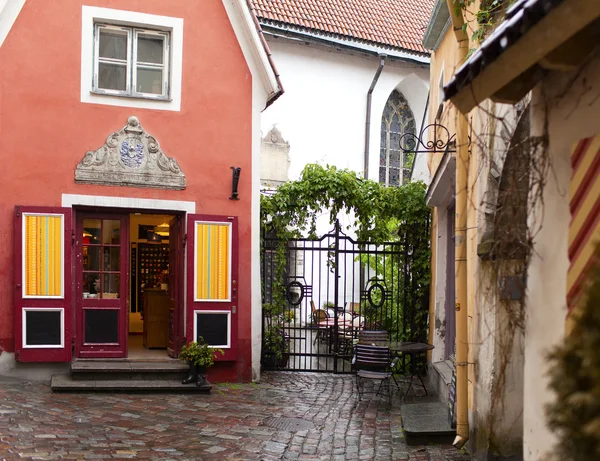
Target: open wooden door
43 288
102 312
176 284
212 277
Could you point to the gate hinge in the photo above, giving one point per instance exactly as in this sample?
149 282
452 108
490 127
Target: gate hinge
184 240
72 236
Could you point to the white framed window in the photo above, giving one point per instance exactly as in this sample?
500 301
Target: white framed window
43 328
131 59
131 62
214 326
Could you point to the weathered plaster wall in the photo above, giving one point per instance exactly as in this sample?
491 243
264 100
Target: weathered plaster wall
569 103
46 130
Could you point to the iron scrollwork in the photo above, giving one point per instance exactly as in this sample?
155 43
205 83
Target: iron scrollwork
442 141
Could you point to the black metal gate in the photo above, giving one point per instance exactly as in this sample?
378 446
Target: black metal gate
333 287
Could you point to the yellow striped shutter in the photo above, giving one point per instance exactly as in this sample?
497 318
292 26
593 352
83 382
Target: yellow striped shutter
213 259
584 203
43 255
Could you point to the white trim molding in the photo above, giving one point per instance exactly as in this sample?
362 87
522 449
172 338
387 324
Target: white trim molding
9 12
70 200
251 44
90 15
43 346
441 189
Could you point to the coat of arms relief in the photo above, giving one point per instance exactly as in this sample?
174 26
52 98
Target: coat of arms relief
130 157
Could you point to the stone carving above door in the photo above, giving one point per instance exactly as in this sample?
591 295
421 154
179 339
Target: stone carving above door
130 157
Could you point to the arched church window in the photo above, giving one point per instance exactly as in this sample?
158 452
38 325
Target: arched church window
397 120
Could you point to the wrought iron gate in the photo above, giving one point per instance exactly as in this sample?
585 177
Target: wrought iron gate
333 287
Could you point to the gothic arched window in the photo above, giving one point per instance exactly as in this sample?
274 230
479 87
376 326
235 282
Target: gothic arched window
397 120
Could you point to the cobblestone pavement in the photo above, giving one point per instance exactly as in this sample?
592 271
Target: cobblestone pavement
228 424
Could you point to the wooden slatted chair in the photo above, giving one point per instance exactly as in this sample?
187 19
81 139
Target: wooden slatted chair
373 363
318 315
373 337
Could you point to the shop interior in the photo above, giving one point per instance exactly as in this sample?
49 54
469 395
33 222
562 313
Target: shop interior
149 277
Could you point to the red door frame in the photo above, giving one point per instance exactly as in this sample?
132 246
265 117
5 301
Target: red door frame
78 268
102 350
230 306
176 282
45 354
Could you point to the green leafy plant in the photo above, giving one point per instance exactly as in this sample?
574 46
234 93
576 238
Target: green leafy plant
199 353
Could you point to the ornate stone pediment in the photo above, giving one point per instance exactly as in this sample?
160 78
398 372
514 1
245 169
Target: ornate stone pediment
130 157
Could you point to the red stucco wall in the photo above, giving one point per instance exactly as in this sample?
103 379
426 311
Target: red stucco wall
45 130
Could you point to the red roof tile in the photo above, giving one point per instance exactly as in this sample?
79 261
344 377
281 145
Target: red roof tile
389 23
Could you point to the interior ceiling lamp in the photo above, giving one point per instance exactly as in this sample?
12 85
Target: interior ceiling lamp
153 237
162 229
86 233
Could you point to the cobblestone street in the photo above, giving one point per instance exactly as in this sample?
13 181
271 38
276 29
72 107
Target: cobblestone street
227 424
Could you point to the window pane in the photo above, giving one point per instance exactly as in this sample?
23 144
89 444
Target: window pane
112 259
43 328
394 177
111 232
150 49
395 159
112 76
382 157
91 285
149 80
113 44
110 288
91 258
91 231
382 172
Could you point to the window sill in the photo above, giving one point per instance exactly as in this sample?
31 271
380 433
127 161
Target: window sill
129 96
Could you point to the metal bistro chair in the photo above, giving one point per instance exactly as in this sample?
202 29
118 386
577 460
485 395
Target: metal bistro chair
374 363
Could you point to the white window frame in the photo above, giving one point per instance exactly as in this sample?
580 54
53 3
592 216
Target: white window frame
228 313
229 257
43 309
131 64
24 253
91 16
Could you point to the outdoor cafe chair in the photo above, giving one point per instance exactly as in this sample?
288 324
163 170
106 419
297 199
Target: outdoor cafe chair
373 363
318 315
373 337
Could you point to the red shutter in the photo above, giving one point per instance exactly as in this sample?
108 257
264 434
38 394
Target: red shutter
212 277
43 287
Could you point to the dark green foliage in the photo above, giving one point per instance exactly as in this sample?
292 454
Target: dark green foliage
199 353
575 379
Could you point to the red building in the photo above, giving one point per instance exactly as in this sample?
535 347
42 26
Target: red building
120 122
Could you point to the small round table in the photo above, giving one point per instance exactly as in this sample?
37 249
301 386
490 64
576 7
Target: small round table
413 349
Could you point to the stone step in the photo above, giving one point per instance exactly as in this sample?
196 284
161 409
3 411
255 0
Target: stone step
98 370
66 383
426 423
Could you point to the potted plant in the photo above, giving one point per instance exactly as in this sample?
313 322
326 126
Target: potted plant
199 357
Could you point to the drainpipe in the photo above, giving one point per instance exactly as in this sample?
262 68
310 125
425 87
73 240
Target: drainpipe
368 121
462 187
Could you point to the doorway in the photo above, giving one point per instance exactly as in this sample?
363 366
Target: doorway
128 300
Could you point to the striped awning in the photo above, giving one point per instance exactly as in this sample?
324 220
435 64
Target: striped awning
584 228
